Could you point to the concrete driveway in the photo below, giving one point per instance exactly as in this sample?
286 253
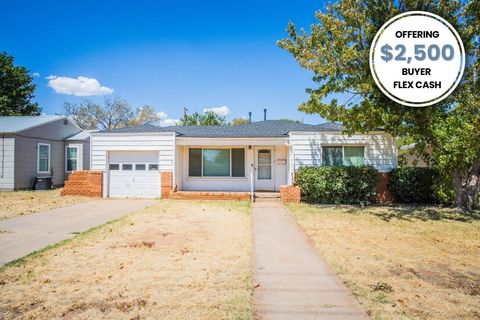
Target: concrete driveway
23 235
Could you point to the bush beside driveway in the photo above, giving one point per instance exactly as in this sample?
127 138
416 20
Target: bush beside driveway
401 263
173 260
20 203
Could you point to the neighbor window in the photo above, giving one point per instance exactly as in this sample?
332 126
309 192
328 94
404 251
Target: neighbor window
153 166
114 166
343 155
216 162
72 159
140 167
43 158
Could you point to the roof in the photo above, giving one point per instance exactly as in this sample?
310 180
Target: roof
261 129
82 135
13 124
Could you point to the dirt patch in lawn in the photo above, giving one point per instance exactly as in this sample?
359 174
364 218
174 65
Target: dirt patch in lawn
422 264
174 260
19 203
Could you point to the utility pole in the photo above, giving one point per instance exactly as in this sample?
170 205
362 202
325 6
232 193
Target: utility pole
185 114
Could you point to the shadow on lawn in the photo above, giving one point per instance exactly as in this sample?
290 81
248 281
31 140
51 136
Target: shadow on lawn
422 213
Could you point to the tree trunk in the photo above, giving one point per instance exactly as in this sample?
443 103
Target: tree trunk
466 184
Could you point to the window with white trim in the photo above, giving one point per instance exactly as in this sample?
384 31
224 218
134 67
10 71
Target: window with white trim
71 158
211 162
43 158
343 155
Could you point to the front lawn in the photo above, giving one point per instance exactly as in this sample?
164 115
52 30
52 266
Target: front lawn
173 260
19 203
401 263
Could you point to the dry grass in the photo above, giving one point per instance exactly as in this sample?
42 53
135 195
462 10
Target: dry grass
401 263
174 260
19 203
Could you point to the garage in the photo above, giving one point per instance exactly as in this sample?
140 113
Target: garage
133 174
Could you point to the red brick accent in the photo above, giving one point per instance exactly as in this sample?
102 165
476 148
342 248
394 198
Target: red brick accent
166 180
384 195
84 183
210 195
290 193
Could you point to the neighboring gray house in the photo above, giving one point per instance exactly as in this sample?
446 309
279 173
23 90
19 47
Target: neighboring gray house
40 146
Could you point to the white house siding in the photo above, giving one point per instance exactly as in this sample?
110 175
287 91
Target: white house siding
306 148
7 156
102 143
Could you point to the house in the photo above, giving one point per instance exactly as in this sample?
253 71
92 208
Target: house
40 146
150 161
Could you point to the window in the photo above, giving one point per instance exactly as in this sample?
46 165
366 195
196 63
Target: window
140 167
238 163
353 156
332 156
216 162
127 167
72 159
195 162
153 166
43 158
343 155
114 166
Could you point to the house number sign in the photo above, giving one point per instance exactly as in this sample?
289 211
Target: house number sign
417 58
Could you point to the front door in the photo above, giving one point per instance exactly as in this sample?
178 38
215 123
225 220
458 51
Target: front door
264 179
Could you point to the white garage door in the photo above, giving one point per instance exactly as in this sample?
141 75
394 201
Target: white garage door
134 175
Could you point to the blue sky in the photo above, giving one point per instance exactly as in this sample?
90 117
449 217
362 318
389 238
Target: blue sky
168 54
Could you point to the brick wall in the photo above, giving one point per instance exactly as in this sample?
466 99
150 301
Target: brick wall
84 183
210 195
384 193
166 180
290 193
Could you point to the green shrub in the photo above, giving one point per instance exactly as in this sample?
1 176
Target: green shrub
413 185
338 185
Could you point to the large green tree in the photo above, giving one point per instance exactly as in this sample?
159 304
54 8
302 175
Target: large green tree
16 89
337 51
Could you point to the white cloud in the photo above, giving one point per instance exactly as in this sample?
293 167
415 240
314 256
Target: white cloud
221 111
164 120
81 86
35 75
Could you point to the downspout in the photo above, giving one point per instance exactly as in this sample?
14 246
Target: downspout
3 155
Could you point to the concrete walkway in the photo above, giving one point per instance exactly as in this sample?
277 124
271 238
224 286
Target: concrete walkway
26 234
294 282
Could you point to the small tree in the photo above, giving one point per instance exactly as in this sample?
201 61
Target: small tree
337 51
239 121
209 118
144 115
16 89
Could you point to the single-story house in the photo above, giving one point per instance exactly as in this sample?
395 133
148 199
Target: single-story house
40 146
260 156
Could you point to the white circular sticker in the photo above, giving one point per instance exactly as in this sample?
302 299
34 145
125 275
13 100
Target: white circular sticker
417 58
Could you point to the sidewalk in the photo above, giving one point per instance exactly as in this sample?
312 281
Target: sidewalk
294 282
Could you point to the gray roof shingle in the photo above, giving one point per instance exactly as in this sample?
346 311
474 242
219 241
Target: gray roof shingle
261 129
13 124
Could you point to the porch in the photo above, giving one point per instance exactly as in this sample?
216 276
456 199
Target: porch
233 168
